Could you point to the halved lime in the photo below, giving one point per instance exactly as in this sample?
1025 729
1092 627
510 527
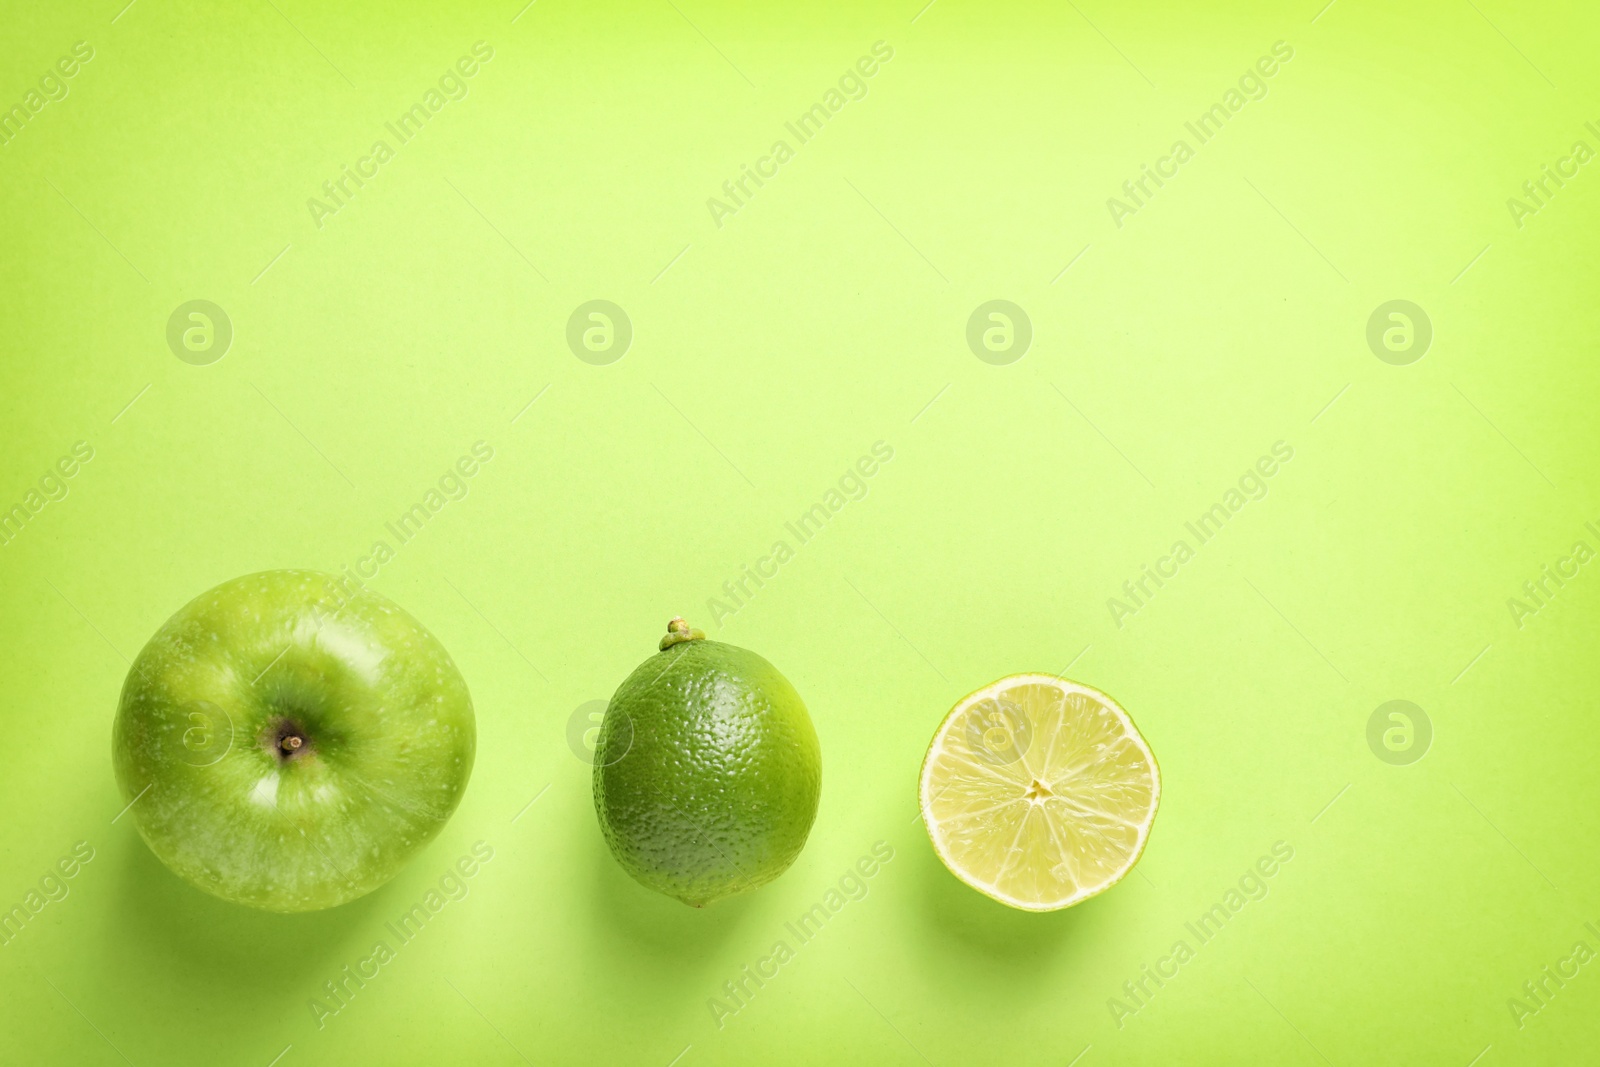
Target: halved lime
1039 792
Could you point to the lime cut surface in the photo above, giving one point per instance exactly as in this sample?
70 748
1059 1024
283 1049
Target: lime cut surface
1039 792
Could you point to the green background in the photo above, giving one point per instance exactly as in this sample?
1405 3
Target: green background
769 353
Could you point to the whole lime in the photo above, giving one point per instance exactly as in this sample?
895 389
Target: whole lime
707 770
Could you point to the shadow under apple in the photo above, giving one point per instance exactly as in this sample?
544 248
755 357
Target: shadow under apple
191 943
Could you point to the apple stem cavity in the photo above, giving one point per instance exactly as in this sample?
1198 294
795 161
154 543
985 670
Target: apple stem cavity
679 631
286 740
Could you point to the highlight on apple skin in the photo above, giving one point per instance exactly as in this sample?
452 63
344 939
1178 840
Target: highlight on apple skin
288 741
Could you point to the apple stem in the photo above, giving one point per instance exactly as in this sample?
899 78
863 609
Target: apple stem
286 739
679 631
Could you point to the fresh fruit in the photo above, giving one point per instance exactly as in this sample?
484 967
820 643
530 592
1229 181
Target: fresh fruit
1039 792
288 743
707 770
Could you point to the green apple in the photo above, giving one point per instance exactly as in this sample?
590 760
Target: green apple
288 741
